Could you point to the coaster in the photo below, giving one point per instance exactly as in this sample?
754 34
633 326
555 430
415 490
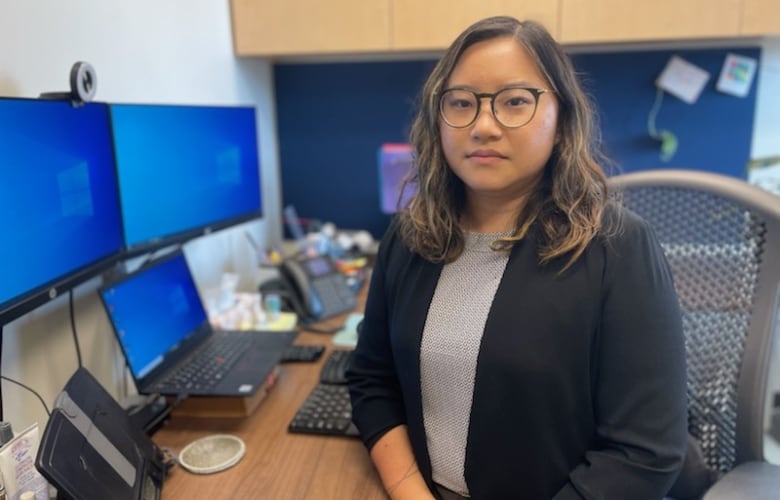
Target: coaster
212 453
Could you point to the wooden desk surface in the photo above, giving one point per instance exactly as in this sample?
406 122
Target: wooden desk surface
278 464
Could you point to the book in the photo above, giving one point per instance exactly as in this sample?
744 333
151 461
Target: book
225 406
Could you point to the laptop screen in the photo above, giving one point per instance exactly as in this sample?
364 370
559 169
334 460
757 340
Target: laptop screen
153 312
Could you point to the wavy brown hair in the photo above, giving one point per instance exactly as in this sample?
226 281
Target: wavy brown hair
567 205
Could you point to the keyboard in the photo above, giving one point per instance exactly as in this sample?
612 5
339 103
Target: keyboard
208 366
334 371
327 409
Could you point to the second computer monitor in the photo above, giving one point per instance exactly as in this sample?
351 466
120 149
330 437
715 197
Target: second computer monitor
184 171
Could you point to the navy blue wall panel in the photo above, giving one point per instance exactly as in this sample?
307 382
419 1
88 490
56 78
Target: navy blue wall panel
714 133
334 117
332 120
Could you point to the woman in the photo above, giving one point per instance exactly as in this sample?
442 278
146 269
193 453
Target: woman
521 337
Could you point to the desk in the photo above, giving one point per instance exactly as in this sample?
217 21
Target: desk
277 465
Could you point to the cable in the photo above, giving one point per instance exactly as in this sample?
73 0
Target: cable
659 98
73 328
667 138
125 374
319 329
48 413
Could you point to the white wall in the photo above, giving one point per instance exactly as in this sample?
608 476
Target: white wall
175 51
766 143
766 129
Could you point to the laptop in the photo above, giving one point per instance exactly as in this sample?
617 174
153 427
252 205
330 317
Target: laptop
169 345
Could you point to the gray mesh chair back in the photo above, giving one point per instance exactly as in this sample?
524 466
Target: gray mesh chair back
721 237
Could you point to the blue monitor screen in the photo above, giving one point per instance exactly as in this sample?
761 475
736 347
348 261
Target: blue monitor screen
184 170
153 311
59 206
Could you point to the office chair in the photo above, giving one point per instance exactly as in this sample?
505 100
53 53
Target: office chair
721 237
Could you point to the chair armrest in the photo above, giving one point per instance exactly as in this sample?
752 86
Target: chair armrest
753 480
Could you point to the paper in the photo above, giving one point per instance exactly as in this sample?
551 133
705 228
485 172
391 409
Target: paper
683 79
736 75
17 462
285 321
347 336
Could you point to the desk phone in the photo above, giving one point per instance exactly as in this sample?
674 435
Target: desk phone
316 288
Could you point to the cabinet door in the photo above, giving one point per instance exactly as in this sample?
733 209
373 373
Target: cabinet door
285 27
594 21
434 24
761 17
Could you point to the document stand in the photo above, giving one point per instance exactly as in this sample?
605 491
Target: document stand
91 450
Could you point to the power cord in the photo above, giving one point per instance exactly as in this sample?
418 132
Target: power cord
73 328
48 413
170 459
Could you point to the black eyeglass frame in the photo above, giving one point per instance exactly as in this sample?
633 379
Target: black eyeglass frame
536 92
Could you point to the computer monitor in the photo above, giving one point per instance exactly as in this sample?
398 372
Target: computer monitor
184 171
59 205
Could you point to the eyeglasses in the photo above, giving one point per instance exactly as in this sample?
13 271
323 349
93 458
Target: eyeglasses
512 107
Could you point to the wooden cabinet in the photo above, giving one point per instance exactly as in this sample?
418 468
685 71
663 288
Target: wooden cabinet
760 17
434 24
597 21
280 28
300 27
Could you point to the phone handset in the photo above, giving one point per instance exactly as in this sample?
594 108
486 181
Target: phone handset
302 296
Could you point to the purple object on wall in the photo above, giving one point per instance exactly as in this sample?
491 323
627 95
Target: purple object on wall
395 161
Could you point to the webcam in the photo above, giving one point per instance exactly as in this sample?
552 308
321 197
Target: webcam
83 85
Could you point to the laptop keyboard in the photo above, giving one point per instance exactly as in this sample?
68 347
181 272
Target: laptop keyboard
208 366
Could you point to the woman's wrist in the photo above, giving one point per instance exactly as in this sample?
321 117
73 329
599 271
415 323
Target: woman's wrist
409 486
412 489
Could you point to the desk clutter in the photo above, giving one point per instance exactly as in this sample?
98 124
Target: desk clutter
251 311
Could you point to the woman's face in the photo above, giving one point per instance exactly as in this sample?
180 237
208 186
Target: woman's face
489 158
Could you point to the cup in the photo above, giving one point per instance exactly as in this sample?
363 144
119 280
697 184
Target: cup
273 306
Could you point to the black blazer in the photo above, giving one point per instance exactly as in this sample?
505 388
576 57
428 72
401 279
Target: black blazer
580 388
